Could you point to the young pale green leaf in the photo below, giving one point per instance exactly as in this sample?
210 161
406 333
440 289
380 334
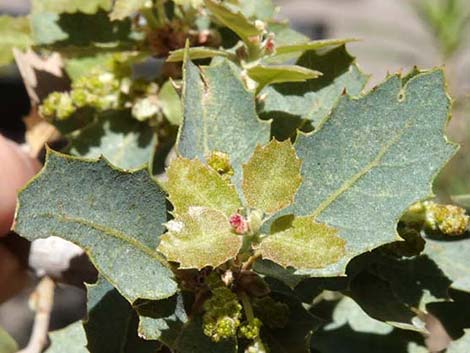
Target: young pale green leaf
192 183
314 99
171 103
15 32
271 177
121 139
195 53
372 158
314 45
115 216
7 343
236 21
111 324
284 35
162 320
266 75
219 115
199 238
89 7
71 339
306 244
125 8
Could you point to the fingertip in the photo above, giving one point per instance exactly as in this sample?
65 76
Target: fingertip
16 169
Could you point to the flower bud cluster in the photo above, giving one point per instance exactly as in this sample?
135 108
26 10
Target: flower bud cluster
103 90
449 219
222 315
250 330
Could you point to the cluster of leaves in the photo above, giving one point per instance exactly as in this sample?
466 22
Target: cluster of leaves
275 238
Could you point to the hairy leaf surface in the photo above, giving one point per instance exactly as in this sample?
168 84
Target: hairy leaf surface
114 215
219 115
202 237
271 177
191 183
372 158
305 244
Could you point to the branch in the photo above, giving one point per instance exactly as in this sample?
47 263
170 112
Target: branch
43 298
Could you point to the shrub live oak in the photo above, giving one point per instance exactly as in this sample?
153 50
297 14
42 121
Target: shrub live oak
238 202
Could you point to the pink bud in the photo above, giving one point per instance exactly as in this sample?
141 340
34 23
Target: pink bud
238 223
269 46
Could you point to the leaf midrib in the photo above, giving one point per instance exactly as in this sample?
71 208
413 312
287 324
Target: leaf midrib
352 180
106 231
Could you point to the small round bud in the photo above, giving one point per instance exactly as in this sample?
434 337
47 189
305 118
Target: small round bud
239 223
269 44
220 162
